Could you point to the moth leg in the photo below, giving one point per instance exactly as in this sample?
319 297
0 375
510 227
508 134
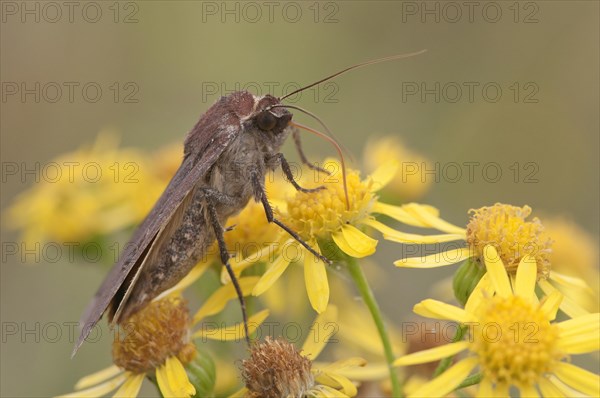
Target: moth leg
260 192
298 143
285 166
218 229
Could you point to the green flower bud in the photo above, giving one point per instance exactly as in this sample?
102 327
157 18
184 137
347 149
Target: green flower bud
466 278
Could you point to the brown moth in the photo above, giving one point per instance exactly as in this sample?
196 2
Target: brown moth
226 156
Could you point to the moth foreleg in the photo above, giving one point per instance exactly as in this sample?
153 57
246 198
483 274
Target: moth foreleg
224 254
285 166
271 218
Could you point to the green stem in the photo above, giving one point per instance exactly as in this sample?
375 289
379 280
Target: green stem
469 381
446 362
367 295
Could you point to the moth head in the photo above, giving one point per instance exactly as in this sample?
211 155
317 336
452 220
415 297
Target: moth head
271 119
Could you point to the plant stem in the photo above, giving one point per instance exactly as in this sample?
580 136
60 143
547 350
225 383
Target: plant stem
469 381
367 295
446 362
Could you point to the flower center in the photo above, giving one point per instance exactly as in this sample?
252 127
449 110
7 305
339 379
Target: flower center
515 342
321 213
149 337
504 227
276 369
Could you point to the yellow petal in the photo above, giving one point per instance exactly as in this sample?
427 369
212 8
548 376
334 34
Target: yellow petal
526 277
497 272
315 279
163 382
447 381
568 306
383 174
548 389
432 354
585 324
354 242
569 281
342 364
528 391
580 335
188 280
438 310
335 380
579 379
422 213
97 377
271 275
486 389
322 329
370 372
262 255
402 237
482 291
219 299
327 392
398 213
563 388
232 333
131 387
448 257
99 390
501 390
173 381
551 304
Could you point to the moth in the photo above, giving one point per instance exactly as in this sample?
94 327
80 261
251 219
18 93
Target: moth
226 157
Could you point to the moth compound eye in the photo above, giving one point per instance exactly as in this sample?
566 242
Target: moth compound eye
266 121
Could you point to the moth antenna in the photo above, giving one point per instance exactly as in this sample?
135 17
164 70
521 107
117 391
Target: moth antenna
339 150
321 122
371 62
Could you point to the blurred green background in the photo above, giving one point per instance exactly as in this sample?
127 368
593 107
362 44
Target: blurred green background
169 56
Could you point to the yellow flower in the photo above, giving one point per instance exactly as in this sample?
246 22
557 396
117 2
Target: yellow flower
506 228
157 341
512 338
277 369
329 224
408 182
97 190
503 226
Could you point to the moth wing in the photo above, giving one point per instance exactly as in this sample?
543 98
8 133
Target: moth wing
212 135
119 303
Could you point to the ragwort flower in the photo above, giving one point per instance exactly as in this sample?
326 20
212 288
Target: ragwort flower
157 342
277 369
512 338
98 190
506 228
331 226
